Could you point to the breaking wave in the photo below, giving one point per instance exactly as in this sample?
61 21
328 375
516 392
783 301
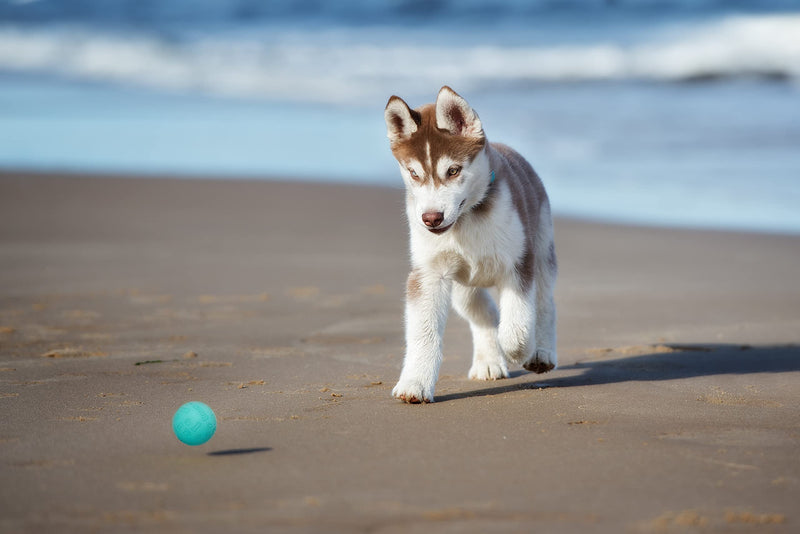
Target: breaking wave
308 67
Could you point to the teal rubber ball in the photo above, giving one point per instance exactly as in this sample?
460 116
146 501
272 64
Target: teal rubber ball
194 423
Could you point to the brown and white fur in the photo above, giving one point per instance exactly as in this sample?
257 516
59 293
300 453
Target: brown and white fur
470 232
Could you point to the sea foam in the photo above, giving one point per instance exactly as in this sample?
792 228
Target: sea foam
305 67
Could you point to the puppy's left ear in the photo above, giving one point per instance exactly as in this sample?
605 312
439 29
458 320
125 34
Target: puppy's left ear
456 116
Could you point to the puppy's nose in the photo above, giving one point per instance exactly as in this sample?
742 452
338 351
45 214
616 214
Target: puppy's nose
433 219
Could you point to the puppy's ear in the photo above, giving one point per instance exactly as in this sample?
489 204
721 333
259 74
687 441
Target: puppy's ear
456 116
401 121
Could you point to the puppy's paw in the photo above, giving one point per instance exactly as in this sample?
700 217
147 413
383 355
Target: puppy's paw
482 370
412 392
541 362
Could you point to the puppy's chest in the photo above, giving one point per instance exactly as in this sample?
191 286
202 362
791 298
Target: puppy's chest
474 270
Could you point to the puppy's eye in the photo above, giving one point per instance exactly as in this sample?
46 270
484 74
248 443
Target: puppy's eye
455 170
413 173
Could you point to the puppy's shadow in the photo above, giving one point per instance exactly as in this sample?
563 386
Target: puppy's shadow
670 362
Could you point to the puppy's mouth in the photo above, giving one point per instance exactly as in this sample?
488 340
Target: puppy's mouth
440 229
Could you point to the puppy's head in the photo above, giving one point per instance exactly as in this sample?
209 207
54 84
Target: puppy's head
440 149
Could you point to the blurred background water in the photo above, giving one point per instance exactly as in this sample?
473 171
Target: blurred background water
666 112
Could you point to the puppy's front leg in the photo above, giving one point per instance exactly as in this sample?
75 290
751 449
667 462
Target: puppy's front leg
427 304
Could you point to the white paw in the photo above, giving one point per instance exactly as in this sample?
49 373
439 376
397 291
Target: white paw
481 370
514 345
542 361
412 391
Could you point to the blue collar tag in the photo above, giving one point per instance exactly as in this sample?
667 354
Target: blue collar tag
492 180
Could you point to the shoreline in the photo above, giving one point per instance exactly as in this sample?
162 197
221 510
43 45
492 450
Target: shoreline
280 305
11 173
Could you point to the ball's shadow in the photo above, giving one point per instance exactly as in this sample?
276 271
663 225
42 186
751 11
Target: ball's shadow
236 452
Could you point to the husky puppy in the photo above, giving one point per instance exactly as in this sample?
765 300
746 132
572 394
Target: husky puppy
479 218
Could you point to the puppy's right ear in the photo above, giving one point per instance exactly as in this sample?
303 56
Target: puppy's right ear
401 121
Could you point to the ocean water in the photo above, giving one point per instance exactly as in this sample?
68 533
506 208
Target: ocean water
678 113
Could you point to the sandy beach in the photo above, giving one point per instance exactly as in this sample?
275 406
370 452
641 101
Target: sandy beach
676 406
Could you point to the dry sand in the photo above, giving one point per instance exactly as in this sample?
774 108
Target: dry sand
676 407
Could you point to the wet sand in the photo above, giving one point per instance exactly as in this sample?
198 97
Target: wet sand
675 408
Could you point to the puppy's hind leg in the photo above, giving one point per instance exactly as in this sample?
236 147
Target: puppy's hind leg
545 272
545 358
476 306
